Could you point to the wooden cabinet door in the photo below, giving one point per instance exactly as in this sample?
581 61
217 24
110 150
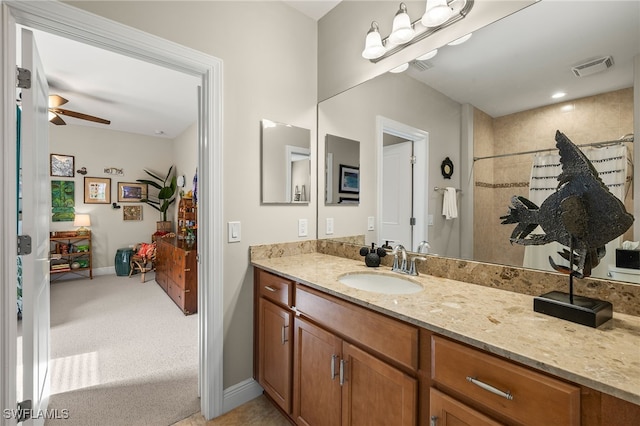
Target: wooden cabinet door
375 393
275 353
316 375
447 411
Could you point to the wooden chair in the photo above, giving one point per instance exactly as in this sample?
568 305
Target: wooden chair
143 259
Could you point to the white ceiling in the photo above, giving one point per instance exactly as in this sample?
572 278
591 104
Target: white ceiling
517 63
142 98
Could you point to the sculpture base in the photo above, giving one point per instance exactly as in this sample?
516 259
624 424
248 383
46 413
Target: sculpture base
584 310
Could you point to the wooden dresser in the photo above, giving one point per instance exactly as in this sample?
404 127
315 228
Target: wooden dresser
177 272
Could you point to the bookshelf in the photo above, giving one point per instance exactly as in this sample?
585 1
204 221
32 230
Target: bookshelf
70 253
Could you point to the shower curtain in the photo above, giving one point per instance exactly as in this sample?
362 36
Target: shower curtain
611 163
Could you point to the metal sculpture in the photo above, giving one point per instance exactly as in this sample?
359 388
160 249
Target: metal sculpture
583 215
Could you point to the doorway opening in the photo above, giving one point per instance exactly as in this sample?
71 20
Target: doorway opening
402 153
91 29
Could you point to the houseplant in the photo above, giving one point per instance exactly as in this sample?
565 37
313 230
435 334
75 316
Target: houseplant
166 187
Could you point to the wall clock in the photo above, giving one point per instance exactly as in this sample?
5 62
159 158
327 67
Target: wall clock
446 168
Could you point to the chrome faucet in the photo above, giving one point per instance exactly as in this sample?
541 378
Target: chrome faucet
402 267
412 268
424 245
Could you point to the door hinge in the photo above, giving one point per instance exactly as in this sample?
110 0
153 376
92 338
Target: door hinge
24 411
24 244
412 221
412 159
24 78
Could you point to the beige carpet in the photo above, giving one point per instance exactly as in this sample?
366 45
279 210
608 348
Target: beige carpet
122 354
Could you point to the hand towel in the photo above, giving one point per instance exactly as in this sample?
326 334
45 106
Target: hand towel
449 203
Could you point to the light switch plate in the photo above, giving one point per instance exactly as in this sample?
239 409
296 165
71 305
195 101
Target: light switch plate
303 227
234 232
371 223
329 228
430 220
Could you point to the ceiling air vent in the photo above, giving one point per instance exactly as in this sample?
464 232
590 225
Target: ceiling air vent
421 65
592 66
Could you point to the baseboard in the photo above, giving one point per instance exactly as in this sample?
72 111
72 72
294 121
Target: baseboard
240 393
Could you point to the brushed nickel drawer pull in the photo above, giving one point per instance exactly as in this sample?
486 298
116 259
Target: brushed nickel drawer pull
342 367
187 270
490 388
270 288
333 366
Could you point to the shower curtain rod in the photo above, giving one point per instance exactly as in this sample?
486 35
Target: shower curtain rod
625 138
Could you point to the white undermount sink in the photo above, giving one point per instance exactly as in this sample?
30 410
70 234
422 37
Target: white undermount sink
380 283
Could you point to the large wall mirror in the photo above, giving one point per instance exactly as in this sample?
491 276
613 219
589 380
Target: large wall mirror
486 105
286 163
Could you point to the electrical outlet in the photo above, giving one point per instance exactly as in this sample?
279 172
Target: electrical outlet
303 227
371 223
329 227
430 220
234 232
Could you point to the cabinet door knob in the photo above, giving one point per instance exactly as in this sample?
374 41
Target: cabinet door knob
488 387
433 421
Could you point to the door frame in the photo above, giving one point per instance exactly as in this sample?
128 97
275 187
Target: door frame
70 22
420 140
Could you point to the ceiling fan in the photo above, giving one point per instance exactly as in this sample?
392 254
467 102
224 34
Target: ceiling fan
54 112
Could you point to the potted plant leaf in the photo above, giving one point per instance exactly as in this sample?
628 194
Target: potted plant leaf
167 188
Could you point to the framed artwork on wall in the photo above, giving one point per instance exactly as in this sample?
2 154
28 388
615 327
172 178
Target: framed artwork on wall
61 165
349 179
63 200
131 212
131 192
97 190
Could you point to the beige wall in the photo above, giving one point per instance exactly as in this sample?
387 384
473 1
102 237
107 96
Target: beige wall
269 54
97 149
604 117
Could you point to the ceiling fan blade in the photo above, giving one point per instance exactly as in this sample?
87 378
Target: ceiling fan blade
80 115
56 119
56 101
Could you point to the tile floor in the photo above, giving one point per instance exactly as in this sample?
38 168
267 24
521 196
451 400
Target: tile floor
259 411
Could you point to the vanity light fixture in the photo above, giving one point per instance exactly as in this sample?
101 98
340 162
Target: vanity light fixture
427 55
402 30
439 14
460 40
401 68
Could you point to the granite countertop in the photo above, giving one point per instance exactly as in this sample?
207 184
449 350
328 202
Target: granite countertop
606 359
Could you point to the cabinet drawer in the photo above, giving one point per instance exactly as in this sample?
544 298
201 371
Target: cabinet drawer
536 398
274 287
391 338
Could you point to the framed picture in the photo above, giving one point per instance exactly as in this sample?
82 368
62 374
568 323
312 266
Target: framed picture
63 200
132 212
131 192
62 165
97 190
349 179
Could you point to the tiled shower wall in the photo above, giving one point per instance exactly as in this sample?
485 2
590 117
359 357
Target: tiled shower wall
604 117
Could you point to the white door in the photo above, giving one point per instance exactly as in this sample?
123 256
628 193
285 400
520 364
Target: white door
36 206
397 194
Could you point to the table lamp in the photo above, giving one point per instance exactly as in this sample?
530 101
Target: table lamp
82 220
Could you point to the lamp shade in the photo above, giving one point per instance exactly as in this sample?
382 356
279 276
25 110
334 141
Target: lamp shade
437 13
373 47
402 31
82 220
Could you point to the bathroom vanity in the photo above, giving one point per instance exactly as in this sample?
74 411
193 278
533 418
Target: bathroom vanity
327 353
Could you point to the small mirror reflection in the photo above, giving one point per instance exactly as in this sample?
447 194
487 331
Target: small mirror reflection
342 171
286 163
